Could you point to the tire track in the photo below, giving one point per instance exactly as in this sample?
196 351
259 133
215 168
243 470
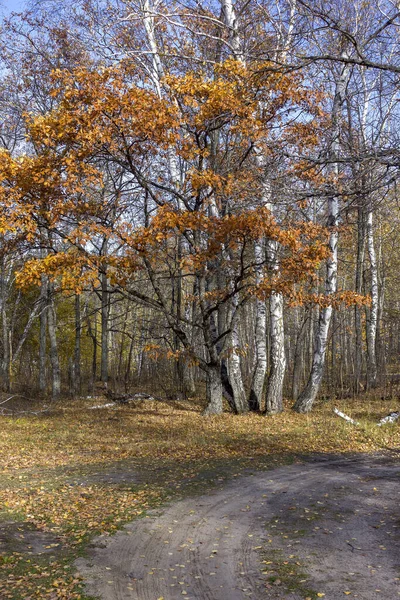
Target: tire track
208 547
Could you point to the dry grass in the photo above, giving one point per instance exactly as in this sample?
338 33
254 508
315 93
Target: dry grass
76 436
54 468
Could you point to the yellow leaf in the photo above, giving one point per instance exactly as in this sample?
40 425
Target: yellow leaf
320 595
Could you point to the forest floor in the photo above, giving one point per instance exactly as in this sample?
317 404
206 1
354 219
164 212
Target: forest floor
72 477
319 529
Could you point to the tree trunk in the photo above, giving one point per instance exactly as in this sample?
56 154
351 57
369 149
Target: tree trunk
357 309
94 354
43 335
213 391
373 311
235 372
104 328
258 379
54 359
306 399
6 333
76 384
299 358
380 340
274 399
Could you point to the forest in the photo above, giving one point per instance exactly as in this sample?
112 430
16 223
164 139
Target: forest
200 199
199 299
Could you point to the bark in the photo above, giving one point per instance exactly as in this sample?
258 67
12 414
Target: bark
77 349
274 402
94 354
6 362
43 335
54 358
235 372
373 310
92 331
307 398
105 308
380 340
229 18
32 316
141 354
213 391
299 359
357 309
333 376
274 398
129 363
258 379
6 333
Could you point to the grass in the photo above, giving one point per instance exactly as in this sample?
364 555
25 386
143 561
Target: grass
73 473
287 573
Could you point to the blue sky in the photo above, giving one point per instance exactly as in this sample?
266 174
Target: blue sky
10 5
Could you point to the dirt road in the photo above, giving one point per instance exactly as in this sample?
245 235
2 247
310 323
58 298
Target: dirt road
328 528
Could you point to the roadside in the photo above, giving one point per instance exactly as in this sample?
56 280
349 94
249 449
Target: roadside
72 474
328 528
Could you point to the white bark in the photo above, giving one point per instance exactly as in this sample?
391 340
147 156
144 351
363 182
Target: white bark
105 312
43 334
77 348
306 399
274 398
258 381
157 71
345 417
373 310
392 418
54 359
234 366
6 330
230 20
214 391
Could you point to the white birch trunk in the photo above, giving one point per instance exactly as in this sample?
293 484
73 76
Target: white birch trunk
306 399
54 359
229 16
274 398
234 366
258 380
105 309
43 334
6 331
373 310
77 348
214 391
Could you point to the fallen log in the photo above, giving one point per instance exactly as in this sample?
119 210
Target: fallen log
108 405
123 399
345 417
126 398
391 418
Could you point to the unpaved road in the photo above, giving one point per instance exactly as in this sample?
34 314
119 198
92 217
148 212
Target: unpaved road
337 517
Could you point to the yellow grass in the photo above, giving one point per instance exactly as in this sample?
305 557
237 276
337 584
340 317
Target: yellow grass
49 465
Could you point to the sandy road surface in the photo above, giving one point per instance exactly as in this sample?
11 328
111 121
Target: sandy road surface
338 517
